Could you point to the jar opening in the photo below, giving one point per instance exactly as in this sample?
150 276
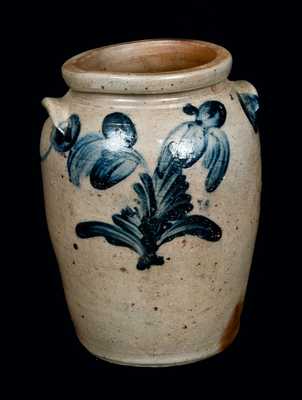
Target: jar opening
151 66
150 58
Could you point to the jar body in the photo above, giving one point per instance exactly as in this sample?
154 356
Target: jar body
189 307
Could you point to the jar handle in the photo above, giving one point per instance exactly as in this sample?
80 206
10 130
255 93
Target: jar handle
249 100
57 110
245 87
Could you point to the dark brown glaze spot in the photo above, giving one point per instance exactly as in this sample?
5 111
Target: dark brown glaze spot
82 316
168 258
232 98
75 246
232 327
62 176
155 308
183 242
99 195
132 304
236 228
184 327
123 269
73 262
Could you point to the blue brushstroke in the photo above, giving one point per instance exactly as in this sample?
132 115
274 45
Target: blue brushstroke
118 124
63 137
250 105
160 218
199 139
112 167
164 204
216 158
84 155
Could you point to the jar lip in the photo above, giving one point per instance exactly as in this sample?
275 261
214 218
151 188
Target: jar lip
150 66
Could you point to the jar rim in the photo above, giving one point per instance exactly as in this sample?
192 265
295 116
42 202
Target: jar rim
150 66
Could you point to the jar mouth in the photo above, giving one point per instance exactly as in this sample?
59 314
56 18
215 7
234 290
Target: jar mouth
148 67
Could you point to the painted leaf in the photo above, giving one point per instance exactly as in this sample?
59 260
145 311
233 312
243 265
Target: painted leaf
170 189
250 105
131 215
185 144
177 184
165 180
143 200
150 194
216 158
176 203
113 234
83 156
127 225
195 225
112 167
177 209
65 136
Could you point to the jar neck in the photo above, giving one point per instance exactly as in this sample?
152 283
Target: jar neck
142 101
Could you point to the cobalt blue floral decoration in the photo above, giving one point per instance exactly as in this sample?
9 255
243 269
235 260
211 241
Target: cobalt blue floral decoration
152 193
250 105
164 212
64 136
200 139
164 204
106 156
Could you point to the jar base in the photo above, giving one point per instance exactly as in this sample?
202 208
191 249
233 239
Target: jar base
164 363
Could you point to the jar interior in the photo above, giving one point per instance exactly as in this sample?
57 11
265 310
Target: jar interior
147 57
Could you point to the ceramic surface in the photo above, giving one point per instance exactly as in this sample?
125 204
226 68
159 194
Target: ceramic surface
152 178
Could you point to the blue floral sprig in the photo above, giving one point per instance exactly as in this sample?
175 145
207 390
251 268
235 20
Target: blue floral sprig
200 139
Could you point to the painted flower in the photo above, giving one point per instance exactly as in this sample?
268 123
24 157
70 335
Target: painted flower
107 156
202 138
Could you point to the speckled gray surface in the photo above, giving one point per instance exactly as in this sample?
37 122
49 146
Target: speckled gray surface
189 308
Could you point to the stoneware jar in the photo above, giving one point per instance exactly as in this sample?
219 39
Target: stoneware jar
152 176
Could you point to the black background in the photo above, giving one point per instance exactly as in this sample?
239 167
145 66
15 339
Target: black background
259 42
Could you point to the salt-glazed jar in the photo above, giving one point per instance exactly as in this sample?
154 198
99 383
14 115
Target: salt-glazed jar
152 177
